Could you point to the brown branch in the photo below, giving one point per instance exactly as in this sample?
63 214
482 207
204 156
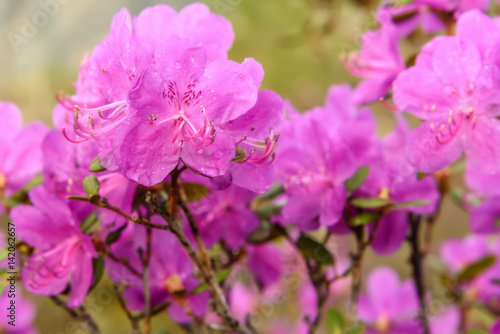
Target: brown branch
82 316
208 276
415 260
134 321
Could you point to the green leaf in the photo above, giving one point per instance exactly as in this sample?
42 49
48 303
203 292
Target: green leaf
370 202
476 268
410 204
89 222
363 218
334 321
95 166
3 254
310 248
98 270
357 179
91 186
78 198
115 235
358 329
240 155
476 331
421 175
221 275
194 191
33 183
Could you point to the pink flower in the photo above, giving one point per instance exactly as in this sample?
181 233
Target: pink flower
112 71
225 215
454 88
181 104
20 157
378 62
318 152
66 165
64 254
391 309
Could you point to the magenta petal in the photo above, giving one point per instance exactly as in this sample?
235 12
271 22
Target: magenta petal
255 123
24 160
265 262
383 299
147 152
81 280
484 217
332 205
417 89
301 209
214 32
478 28
221 182
391 233
255 69
427 154
210 160
147 94
180 63
152 24
228 91
487 184
455 60
10 120
258 179
482 146
411 189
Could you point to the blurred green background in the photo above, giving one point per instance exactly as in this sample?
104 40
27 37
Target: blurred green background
297 41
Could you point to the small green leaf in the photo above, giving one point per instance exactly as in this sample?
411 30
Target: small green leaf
195 192
358 329
334 321
357 179
33 183
95 166
370 202
476 268
3 254
91 186
98 270
221 276
240 155
421 175
310 248
476 331
410 204
115 235
89 222
78 198
363 218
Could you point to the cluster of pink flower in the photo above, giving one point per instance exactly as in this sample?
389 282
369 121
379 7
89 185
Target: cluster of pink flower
167 149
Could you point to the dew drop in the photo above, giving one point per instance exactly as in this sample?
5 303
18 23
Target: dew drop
200 151
177 65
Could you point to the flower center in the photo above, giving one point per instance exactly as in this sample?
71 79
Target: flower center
446 131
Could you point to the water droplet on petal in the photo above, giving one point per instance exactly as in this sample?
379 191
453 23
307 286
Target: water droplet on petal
200 151
177 65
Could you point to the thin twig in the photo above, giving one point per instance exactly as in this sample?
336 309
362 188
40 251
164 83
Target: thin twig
208 277
134 321
82 315
415 260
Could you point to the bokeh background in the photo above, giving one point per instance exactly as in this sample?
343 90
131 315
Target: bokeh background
297 41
